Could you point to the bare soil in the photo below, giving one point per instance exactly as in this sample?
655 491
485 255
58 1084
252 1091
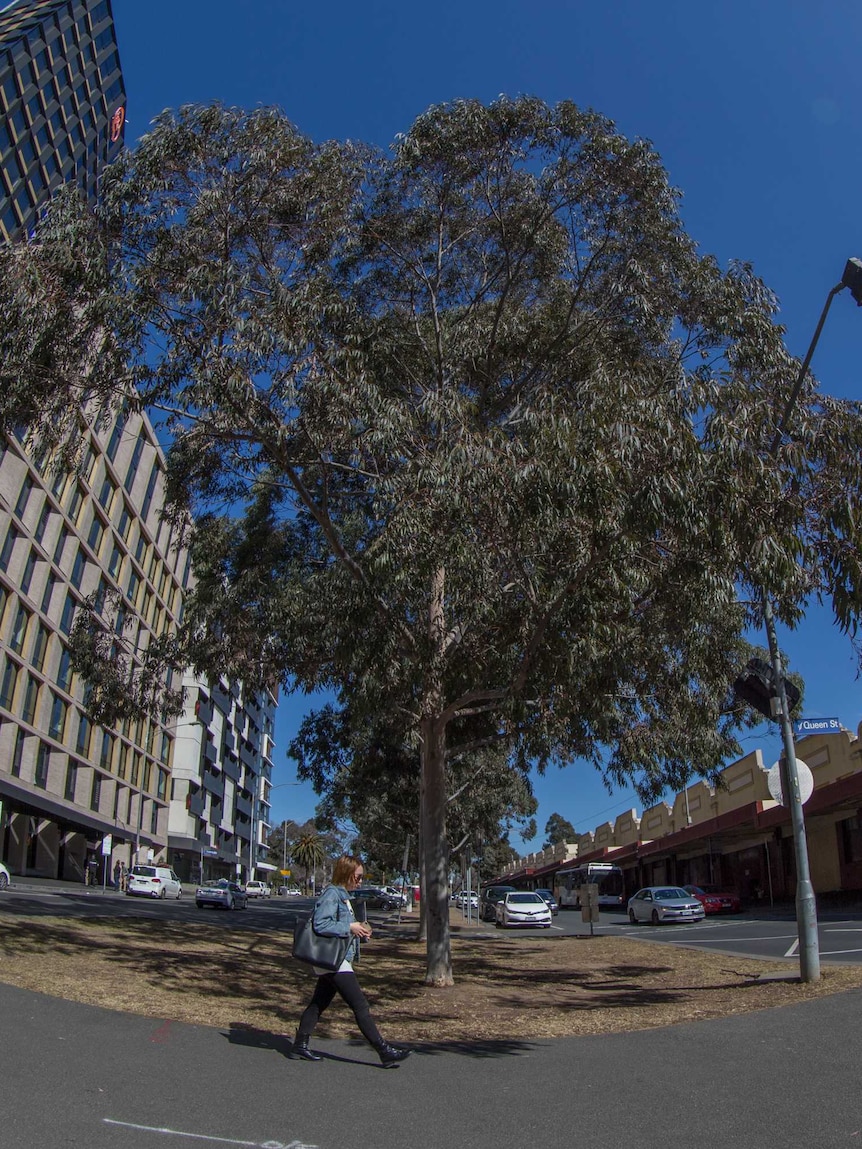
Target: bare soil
507 989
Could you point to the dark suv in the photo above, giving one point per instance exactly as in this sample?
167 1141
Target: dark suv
488 902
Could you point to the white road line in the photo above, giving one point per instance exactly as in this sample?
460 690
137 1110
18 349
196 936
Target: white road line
793 949
832 953
842 929
208 1137
741 941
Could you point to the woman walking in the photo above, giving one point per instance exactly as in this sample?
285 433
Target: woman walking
333 917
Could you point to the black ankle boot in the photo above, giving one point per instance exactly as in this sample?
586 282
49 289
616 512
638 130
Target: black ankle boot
300 1049
391 1054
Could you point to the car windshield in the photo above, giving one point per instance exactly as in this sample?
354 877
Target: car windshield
524 899
671 893
546 894
144 871
219 884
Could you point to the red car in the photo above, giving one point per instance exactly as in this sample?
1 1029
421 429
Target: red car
715 900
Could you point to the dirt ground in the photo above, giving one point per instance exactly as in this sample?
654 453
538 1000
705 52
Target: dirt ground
506 988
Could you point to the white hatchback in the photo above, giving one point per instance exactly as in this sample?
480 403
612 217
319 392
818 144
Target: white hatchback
154 882
523 908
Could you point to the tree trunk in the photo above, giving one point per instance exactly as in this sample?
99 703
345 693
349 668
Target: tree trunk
435 848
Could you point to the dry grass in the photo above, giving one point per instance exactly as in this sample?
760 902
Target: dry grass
242 979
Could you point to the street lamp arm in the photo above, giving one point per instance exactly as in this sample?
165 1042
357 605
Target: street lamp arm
806 362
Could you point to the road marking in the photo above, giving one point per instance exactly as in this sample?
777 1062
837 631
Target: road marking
208 1137
793 949
832 953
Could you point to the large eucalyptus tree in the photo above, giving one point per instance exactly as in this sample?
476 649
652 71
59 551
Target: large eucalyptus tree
470 429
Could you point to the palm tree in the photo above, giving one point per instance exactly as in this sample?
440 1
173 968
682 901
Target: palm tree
308 852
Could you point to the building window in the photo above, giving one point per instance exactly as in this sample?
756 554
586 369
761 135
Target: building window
19 630
851 839
124 524
122 760
96 792
31 700
24 496
43 758
136 767
116 436
10 681
61 545
57 725
76 501
106 495
154 818
7 548
134 462
82 743
162 785
78 569
51 582
115 563
71 780
151 490
29 570
18 752
64 671
97 531
68 617
42 525
40 646
107 751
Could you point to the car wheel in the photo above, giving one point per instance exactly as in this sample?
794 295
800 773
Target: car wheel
655 918
163 893
230 904
4 881
632 918
199 905
179 893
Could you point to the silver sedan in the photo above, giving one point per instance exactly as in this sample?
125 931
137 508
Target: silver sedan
659 904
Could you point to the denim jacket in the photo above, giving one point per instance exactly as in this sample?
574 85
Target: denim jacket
332 917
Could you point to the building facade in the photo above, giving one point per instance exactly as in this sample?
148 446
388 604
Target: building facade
222 770
62 103
735 835
66 538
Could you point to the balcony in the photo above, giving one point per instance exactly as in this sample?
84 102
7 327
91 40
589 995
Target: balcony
214 783
196 802
243 807
231 769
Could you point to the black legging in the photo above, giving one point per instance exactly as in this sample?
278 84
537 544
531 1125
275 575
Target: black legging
347 986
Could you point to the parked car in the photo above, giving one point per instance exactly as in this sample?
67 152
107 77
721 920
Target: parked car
523 908
395 892
5 877
464 899
153 882
659 904
221 893
257 889
375 898
548 896
715 900
491 895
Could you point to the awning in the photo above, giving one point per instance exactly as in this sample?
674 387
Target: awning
264 866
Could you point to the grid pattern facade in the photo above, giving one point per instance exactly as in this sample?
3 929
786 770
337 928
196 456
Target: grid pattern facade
219 816
62 103
65 538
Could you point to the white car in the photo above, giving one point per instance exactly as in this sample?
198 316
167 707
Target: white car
657 904
153 882
5 877
395 892
257 889
523 908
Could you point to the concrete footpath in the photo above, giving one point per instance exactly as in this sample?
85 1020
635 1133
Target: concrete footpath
75 1075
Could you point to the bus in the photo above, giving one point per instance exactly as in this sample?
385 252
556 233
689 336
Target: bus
608 877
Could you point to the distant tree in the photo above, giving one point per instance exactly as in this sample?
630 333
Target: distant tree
309 852
558 829
470 429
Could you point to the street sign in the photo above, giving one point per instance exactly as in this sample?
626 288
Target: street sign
107 846
588 896
817 726
806 782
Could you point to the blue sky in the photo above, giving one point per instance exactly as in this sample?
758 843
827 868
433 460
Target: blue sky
754 107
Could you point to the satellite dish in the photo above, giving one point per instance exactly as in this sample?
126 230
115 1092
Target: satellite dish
806 782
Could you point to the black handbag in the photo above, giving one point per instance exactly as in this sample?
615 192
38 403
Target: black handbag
317 949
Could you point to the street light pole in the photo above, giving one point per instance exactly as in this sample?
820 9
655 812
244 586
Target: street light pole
806 904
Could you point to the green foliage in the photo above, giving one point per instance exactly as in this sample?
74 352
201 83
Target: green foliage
558 829
469 431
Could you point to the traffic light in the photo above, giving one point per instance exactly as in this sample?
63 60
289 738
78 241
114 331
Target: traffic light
757 687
